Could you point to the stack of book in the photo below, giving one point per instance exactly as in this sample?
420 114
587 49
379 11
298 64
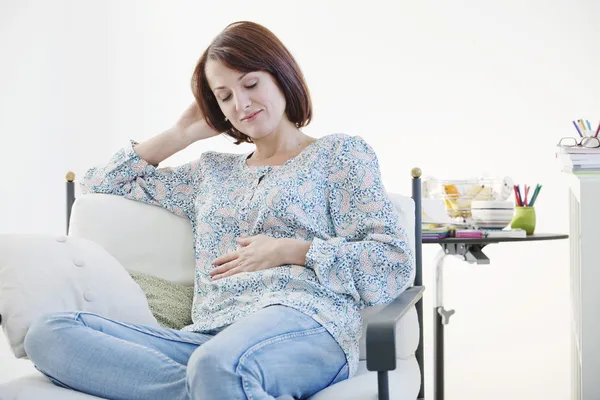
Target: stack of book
579 160
433 231
489 233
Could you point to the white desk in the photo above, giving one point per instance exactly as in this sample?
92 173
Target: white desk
584 233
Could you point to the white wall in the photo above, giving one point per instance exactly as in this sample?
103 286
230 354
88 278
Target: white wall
458 88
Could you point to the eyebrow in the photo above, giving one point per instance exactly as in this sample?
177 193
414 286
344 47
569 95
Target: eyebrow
239 79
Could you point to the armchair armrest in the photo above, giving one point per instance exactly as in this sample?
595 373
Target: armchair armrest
381 330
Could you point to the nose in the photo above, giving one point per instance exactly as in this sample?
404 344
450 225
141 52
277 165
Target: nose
242 102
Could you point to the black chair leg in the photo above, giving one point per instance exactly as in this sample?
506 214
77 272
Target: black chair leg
383 388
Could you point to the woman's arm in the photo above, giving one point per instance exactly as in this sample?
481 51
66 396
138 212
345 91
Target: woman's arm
293 251
369 256
162 146
190 127
132 172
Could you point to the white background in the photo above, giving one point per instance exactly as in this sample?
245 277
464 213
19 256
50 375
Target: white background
457 88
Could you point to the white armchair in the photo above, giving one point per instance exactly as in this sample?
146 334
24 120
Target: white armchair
153 241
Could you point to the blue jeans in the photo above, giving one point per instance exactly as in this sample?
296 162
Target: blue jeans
277 352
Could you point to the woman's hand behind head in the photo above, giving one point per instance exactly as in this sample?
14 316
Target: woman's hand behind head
193 126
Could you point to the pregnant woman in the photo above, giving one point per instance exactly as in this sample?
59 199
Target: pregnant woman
292 239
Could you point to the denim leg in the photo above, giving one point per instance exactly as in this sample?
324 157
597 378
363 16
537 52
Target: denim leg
275 353
92 354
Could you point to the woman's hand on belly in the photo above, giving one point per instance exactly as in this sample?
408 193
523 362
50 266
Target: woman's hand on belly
260 252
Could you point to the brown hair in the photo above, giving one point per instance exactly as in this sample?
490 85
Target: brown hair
247 46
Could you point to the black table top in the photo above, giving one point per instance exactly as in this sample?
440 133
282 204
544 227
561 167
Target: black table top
530 238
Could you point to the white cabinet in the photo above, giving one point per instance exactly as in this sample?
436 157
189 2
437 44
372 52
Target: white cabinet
584 237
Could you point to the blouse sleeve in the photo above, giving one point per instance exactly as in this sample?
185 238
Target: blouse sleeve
128 175
368 256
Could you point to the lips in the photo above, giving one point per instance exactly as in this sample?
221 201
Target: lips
251 116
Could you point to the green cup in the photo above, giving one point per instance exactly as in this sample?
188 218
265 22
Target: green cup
524 218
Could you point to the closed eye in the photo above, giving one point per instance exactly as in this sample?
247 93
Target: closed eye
247 87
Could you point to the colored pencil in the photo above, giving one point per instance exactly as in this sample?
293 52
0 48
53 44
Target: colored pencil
535 194
578 131
520 198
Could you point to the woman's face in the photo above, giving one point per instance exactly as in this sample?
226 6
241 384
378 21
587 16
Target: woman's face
252 102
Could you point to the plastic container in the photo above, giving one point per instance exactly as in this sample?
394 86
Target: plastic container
460 195
524 218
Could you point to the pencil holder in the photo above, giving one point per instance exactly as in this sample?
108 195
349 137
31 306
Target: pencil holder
524 218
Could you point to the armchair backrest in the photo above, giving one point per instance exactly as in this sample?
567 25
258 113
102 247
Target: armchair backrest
154 241
142 237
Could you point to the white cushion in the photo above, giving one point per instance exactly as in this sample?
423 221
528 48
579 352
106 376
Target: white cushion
41 274
404 384
143 237
36 386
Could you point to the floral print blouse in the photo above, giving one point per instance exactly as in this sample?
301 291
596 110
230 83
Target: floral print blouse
331 194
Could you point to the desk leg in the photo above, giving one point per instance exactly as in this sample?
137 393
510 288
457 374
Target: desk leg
441 317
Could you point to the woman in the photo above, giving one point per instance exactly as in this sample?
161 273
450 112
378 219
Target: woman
291 240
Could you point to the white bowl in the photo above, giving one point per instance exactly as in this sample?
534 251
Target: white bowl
492 205
492 225
492 215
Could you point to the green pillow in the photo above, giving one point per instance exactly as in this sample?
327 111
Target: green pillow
170 303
